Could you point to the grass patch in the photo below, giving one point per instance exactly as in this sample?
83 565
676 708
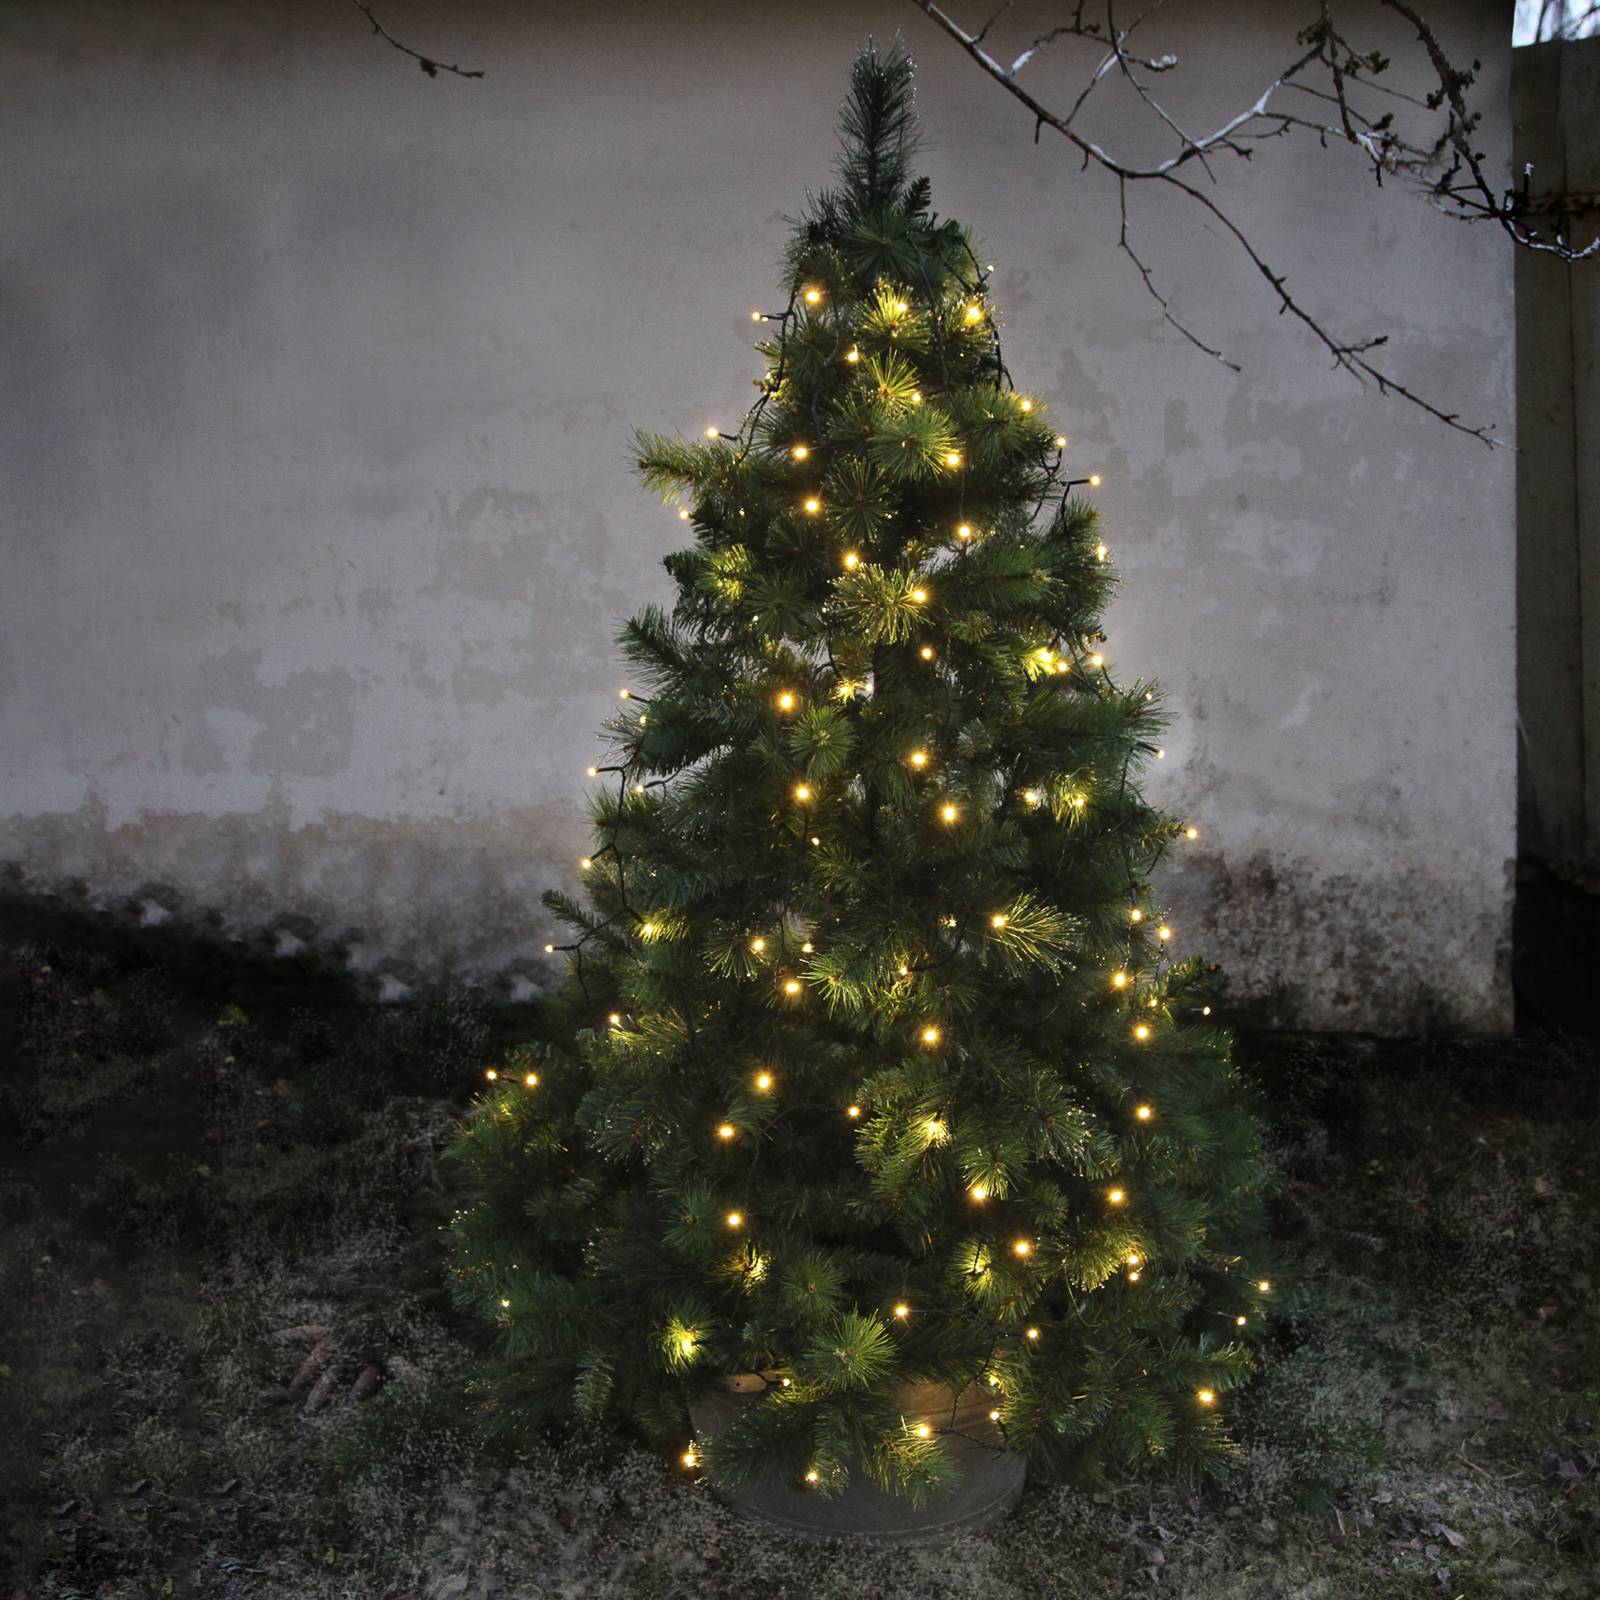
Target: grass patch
228 1366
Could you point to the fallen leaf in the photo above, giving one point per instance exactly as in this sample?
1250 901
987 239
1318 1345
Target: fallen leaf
319 1357
301 1330
320 1391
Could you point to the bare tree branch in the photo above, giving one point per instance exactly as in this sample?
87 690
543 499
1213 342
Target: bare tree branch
427 63
1445 164
1475 198
984 30
1149 283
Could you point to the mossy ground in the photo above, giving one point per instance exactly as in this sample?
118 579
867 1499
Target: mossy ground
228 1366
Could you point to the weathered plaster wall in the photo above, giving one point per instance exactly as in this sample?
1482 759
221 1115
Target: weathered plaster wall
316 382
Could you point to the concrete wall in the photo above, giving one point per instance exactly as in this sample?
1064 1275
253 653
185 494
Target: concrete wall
317 377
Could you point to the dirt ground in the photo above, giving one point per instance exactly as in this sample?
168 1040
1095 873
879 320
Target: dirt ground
228 1365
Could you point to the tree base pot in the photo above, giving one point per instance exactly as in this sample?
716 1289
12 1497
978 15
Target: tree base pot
990 1484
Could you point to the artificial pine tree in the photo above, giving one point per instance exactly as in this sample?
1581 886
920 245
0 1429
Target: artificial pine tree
871 1064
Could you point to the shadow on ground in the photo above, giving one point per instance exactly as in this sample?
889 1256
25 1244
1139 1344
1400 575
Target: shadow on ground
228 1366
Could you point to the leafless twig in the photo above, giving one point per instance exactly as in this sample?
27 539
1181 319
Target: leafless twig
427 63
1326 72
1149 283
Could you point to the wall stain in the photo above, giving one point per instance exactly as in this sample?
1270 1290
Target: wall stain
1306 947
302 727
458 899
444 900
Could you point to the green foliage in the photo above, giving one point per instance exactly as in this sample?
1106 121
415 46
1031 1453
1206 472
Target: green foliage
879 606
1028 934
866 1072
917 1468
878 130
854 1352
812 1287
861 500
821 742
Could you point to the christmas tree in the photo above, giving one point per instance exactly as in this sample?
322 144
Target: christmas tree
872 1065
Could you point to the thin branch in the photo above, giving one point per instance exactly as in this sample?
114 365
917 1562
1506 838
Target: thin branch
1107 62
1149 283
427 63
1119 37
1349 356
1376 139
1479 197
1005 7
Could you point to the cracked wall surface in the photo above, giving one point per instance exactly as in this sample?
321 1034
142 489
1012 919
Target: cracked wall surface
317 379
